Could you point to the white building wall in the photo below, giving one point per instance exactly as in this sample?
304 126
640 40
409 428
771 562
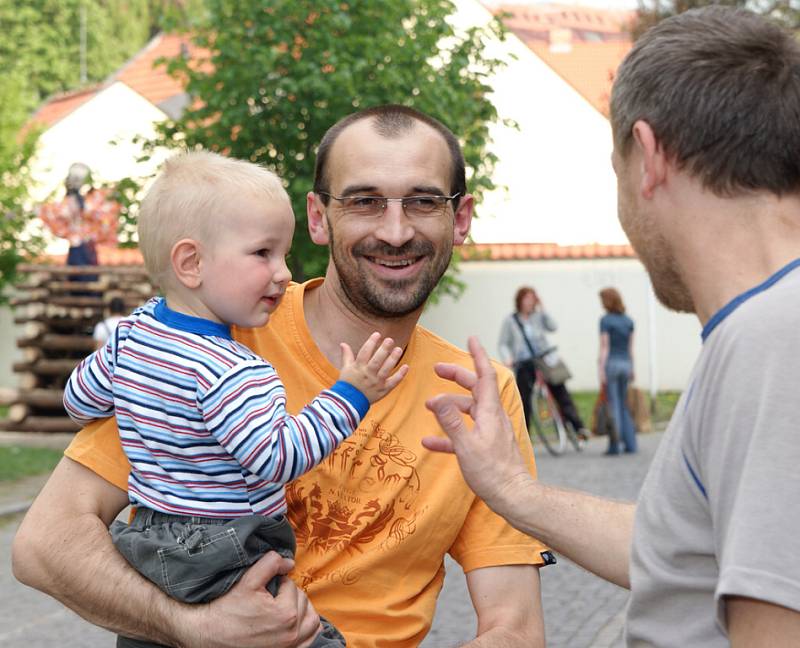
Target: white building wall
99 133
569 290
554 176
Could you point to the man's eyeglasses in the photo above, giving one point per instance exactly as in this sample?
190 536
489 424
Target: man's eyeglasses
374 206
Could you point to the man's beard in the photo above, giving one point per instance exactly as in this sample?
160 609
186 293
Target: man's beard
387 298
665 275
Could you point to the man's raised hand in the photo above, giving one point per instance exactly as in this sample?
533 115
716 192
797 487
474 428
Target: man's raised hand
487 454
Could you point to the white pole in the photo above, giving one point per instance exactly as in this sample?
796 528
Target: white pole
83 43
652 343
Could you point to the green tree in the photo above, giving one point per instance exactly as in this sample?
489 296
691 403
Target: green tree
15 153
42 41
40 55
283 71
650 12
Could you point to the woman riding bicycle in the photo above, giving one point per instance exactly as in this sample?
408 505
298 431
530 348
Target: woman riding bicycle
522 338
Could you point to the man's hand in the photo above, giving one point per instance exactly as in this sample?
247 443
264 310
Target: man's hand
248 615
370 371
488 454
591 531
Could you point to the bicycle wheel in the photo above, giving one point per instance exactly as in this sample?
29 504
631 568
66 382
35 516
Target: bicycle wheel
547 421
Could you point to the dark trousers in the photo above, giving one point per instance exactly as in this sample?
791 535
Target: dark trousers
197 559
526 376
566 405
83 254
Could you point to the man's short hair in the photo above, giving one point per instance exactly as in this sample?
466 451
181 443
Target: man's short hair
391 120
191 198
720 87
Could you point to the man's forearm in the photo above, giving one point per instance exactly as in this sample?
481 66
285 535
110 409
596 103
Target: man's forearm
503 638
591 531
63 548
68 554
508 602
103 588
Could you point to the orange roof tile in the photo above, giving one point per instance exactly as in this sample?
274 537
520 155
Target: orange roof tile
106 256
542 251
586 23
111 256
119 256
149 78
587 67
62 105
141 73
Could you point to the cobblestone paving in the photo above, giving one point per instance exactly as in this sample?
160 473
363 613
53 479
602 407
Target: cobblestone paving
581 611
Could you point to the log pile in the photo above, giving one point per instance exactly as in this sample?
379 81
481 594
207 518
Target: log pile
57 308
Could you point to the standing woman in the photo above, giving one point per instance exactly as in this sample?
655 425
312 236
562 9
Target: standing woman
615 366
522 336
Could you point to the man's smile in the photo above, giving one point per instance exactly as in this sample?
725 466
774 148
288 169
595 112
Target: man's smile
395 267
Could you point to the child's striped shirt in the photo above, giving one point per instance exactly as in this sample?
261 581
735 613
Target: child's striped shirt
203 419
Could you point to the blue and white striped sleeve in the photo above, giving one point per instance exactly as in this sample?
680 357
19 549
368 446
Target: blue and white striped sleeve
88 393
245 411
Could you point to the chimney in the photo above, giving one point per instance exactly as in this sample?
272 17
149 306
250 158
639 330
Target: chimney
560 40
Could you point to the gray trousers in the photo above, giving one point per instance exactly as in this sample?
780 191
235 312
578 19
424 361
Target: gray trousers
197 559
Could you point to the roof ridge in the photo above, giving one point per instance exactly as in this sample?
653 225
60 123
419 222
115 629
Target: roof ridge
151 44
545 250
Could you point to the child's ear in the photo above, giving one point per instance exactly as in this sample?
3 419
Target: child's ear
185 258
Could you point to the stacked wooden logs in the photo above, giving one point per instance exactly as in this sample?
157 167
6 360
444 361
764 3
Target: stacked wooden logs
57 308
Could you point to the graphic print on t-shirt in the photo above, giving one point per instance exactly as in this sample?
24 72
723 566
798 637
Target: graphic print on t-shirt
376 507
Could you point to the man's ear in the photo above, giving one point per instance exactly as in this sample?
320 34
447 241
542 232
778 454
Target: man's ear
317 221
462 219
185 258
654 159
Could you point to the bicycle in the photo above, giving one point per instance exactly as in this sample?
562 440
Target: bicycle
548 422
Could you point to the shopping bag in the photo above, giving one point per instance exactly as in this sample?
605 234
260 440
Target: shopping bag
639 407
602 420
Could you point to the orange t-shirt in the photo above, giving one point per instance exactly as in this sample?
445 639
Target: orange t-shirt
375 519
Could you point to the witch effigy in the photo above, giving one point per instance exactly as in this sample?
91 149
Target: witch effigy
85 217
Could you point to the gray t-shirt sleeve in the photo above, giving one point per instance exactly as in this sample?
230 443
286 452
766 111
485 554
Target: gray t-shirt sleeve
748 441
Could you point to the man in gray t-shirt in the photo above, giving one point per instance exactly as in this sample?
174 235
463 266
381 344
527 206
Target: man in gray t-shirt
705 112
719 512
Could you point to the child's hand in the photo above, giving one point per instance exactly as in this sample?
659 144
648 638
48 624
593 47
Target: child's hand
371 370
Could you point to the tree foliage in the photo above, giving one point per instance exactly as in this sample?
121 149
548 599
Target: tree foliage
282 71
650 12
42 41
15 154
40 56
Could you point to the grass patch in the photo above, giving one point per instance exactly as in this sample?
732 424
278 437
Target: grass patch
20 461
3 411
660 413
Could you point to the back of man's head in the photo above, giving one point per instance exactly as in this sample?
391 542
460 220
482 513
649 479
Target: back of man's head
720 87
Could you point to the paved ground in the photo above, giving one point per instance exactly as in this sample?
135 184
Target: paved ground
581 611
